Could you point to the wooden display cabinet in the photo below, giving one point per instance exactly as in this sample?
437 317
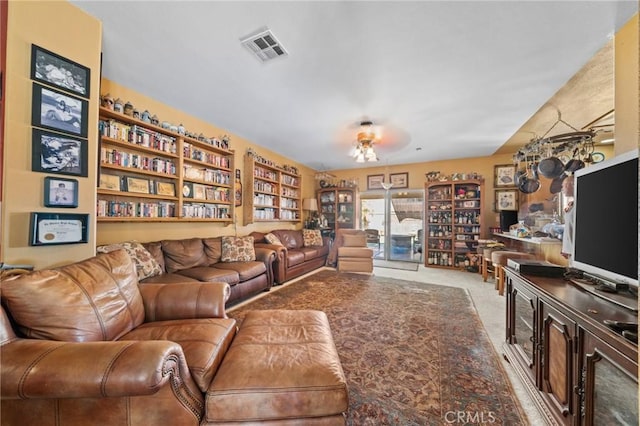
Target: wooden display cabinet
148 173
271 194
339 206
453 215
578 371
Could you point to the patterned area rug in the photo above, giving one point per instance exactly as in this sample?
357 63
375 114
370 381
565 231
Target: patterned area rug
413 353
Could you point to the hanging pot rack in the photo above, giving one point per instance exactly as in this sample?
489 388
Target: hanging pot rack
575 142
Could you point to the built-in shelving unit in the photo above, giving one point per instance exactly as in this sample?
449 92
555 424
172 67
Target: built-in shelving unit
271 193
149 173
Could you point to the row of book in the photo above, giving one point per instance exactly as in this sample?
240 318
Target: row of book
289 180
106 208
288 192
219 177
205 211
189 151
138 135
137 161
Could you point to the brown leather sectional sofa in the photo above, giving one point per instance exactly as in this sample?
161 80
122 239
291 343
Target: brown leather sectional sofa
84 344
292 257
198 259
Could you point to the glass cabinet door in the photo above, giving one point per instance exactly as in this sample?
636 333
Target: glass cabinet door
522 320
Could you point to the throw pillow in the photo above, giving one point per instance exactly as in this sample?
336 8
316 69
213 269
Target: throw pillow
354 240
237 249
272 239
146 265
311 237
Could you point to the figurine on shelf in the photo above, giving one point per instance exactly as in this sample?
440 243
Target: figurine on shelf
128 109
146 116
225 142
118 106
136 114
181 129
107 101
155 120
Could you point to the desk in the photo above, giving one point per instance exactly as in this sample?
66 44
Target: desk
542 247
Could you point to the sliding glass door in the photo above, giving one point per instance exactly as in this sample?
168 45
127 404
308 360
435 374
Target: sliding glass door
393 221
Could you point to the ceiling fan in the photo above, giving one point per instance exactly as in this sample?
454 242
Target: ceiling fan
366 137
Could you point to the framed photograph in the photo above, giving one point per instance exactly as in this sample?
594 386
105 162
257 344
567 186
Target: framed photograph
55 153
57 228
506 199
504 175
199 192
375 181
59 192
137 185
50 68
166 189
59 111
399 180
111 182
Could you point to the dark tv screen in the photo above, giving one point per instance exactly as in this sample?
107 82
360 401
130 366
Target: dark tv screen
606 219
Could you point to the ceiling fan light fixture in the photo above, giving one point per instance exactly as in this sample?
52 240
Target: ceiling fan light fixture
364 150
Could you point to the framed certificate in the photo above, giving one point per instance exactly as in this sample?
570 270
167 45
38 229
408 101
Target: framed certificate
140 186
53 228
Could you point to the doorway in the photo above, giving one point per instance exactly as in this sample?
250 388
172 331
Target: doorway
394 221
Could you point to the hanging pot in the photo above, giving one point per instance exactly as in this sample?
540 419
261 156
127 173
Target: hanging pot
556 184
529 185
520 174
551 167
573 165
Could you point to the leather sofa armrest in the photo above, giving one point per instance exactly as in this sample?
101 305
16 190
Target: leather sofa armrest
267 256
280 261
184 300
35 369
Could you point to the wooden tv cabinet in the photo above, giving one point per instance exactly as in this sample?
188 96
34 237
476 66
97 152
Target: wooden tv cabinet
578 371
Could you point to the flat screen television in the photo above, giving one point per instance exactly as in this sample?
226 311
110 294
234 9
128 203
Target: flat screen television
605 234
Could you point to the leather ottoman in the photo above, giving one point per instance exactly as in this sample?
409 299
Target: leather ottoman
282 368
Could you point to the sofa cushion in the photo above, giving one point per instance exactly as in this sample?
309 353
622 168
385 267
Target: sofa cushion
295 257
204 342
311 237
183 254
355 252
96 299
237 249
155 249
213 249
146 265
359 240
245 270
169 278
289 238
211 274
272 239
310 253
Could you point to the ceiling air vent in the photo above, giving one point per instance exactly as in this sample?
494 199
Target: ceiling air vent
264 45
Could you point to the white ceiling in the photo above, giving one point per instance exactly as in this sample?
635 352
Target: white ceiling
445 79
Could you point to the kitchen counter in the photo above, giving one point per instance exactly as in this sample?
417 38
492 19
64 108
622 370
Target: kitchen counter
543 248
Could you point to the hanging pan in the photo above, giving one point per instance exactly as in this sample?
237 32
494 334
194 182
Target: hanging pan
551 167
574 164
529 185
556 184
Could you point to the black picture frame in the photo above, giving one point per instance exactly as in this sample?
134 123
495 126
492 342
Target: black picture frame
60 192
59 154
55 70
46 229
55 110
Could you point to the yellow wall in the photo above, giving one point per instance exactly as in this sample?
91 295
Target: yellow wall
627 87
109 232
40 23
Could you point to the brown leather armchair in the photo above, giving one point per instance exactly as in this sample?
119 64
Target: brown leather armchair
84 344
